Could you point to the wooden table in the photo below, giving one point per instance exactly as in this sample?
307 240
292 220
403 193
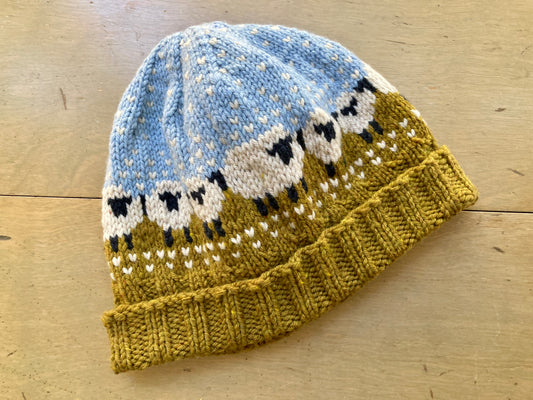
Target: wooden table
452 319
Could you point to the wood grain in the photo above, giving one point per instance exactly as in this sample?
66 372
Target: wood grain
450 320
465 65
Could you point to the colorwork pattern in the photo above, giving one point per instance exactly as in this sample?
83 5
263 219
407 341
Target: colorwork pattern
257 175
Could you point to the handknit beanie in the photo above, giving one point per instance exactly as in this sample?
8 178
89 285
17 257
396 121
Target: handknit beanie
257 175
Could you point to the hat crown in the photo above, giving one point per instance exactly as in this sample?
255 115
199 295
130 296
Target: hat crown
213 87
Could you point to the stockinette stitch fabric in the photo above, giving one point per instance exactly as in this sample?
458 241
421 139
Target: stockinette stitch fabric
257 175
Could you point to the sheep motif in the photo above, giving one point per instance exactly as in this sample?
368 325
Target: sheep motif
123 214
260 170
264 167
356 110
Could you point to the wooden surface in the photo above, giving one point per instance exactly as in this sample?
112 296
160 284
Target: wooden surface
452 319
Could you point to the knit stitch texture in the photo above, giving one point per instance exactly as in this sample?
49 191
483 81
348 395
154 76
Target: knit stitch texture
257 175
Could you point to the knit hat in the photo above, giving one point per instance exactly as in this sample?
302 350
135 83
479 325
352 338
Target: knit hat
257 175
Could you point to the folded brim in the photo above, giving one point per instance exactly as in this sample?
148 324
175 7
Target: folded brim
344 257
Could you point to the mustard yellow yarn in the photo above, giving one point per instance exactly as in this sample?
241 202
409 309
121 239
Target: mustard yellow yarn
347 231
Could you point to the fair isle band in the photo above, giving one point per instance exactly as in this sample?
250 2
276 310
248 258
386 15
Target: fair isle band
258 170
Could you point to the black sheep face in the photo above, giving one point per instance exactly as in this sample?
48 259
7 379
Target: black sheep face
121 213
322 137
205 198
355 109
266 166
169 206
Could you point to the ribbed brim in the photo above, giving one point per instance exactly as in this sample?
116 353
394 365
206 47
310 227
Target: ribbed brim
346 256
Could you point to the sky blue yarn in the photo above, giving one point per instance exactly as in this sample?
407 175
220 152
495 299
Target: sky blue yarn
148 144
